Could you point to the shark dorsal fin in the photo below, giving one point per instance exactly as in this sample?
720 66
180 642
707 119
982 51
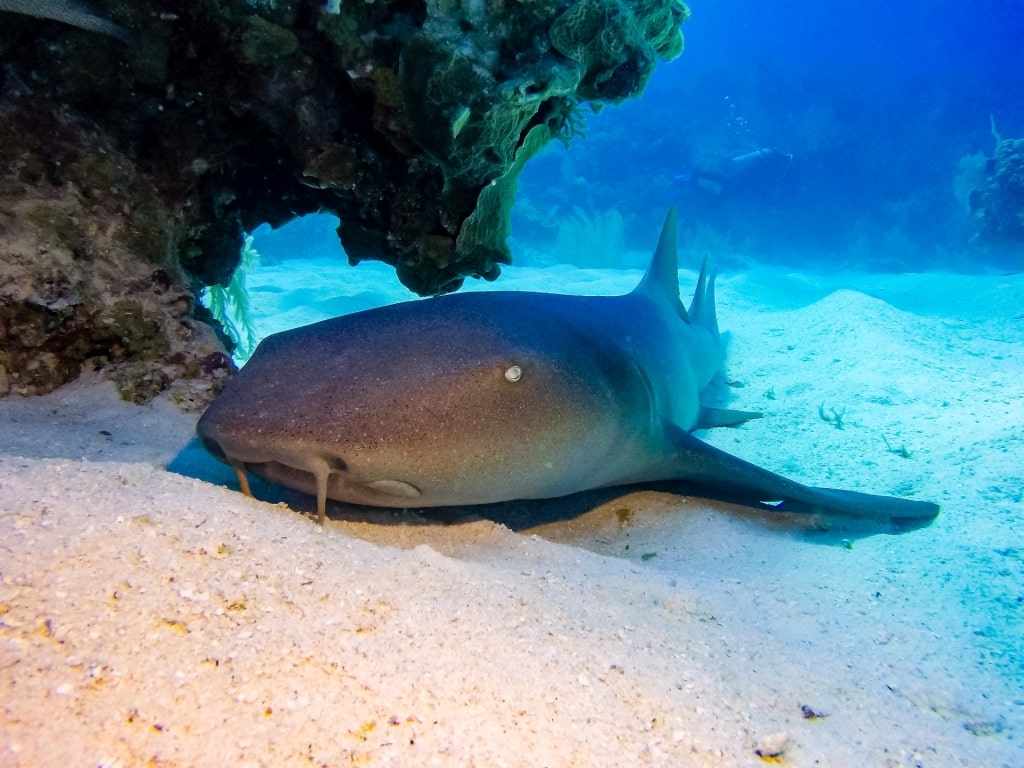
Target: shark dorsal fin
662 278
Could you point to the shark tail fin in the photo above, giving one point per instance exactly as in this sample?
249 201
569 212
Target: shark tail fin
661 280
732 479
702 308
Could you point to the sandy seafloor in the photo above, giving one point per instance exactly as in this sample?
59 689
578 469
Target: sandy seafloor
151 615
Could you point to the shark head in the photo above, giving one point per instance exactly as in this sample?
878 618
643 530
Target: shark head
459 399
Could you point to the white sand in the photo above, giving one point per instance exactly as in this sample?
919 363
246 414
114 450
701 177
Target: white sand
155 616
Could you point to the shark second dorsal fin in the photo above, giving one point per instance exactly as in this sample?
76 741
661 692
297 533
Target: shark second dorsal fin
702 308
662 279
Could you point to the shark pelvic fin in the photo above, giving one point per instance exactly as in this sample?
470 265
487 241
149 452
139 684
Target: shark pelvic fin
709 418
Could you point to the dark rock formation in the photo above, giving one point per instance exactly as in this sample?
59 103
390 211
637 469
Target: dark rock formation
151 149
998 204
89 273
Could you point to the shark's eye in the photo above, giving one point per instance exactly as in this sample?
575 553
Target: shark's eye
514 373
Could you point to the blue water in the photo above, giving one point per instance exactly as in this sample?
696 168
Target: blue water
878 120
883 107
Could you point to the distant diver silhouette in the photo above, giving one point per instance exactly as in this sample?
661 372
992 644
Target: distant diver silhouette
759 168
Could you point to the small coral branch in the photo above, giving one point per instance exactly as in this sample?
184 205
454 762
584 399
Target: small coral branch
903 452
832 416
566 120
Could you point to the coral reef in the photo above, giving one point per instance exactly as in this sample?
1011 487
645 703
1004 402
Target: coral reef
997 205
408 120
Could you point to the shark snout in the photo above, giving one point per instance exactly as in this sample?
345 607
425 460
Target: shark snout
311 469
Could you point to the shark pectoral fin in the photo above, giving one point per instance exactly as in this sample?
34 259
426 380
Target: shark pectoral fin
733 479
398 488
709 418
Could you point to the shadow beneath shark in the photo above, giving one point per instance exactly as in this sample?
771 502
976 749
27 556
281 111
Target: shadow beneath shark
529 515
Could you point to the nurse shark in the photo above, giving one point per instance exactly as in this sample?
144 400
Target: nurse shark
476 398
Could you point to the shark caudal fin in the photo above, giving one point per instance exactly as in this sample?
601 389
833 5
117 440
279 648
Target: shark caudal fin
731 478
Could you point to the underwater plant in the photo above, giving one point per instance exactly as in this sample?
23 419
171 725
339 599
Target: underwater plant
230 305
